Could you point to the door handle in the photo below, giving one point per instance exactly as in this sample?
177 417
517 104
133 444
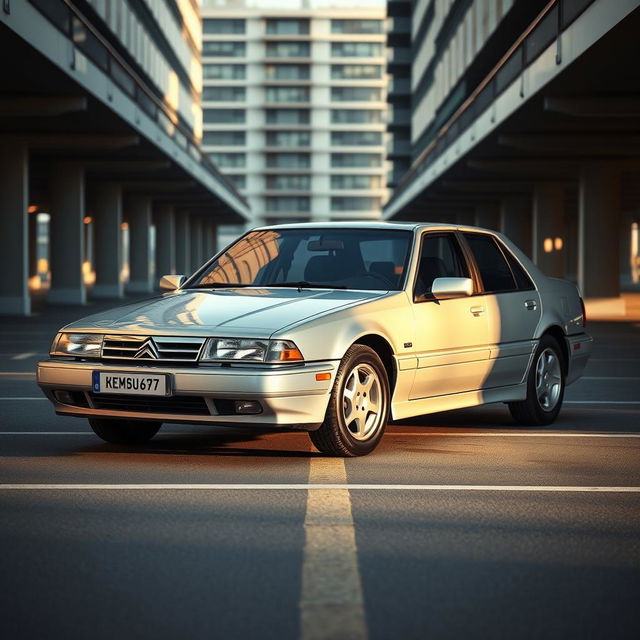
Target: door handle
530 305
477 311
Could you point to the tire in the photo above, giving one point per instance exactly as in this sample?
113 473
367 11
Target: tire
352 427
124 431
545 386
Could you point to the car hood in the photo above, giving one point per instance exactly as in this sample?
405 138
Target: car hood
224 312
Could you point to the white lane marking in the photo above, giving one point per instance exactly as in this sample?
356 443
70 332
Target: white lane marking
435 434
24 374
601 402
24 356
22 398
610 378
331 603
313 487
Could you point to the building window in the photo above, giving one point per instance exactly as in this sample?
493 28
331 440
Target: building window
227 160
223 116
288 203
222 48
288 49
356 94
288 116
287 71
224 94
356 116
355 203
355 138
356 49
223 71
288 138
289 160
239 180
357 26
285 182
223 25
355 182
356 160
287 27
356 71
288 94
224 138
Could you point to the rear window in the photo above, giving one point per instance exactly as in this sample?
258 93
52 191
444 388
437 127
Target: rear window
494 270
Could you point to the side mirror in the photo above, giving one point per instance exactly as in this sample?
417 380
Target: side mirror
171 282
444 288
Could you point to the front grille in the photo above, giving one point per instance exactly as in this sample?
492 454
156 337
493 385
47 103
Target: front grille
177 405
152 349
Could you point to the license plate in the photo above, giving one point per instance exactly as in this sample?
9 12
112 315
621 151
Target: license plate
138 384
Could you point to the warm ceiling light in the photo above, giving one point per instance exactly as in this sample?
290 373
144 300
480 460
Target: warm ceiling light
124 226
87 220
548 245
32 208
558 244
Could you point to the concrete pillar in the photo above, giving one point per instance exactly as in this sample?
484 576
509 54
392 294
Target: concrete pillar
488 215
139 214
515 221
107 252
598 232
14 196
67 234
549 228
196 243
165 240
32 219
183 244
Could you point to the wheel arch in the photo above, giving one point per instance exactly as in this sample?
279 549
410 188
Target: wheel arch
384 350
556 332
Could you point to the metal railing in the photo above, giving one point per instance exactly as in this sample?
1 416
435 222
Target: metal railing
556 16
65 16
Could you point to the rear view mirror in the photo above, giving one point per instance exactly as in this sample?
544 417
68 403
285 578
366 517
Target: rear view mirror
444 288
171 282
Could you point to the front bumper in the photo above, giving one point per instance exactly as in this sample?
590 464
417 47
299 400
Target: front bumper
290 397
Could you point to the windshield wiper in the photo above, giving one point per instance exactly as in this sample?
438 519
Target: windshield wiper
219 285
303 284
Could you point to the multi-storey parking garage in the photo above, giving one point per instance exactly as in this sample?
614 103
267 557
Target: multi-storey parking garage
525 119
99 139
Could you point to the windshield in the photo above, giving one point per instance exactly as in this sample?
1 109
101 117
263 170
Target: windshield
321 258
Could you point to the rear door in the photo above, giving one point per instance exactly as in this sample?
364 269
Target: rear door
513 308
452 336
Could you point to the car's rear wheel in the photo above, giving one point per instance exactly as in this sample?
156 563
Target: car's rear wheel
124 431
358 408
545 386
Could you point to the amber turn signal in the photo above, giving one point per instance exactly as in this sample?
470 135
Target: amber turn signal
323 376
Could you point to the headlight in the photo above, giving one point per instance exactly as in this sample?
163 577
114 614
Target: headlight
77 344
251 350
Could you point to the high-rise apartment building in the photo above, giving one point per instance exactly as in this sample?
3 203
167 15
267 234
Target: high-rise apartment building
294 105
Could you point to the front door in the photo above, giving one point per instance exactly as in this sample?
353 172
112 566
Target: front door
452 336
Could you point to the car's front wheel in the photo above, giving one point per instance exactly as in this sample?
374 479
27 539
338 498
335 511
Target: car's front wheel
358 408
124 431
545 386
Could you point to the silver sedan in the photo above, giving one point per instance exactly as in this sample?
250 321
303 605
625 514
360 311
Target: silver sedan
331 328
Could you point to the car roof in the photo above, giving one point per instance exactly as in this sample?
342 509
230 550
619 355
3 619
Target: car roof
372 224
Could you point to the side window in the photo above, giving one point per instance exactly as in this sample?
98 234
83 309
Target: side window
494 270
440 257
523 281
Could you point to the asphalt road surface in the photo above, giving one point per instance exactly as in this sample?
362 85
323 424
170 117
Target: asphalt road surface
460 525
